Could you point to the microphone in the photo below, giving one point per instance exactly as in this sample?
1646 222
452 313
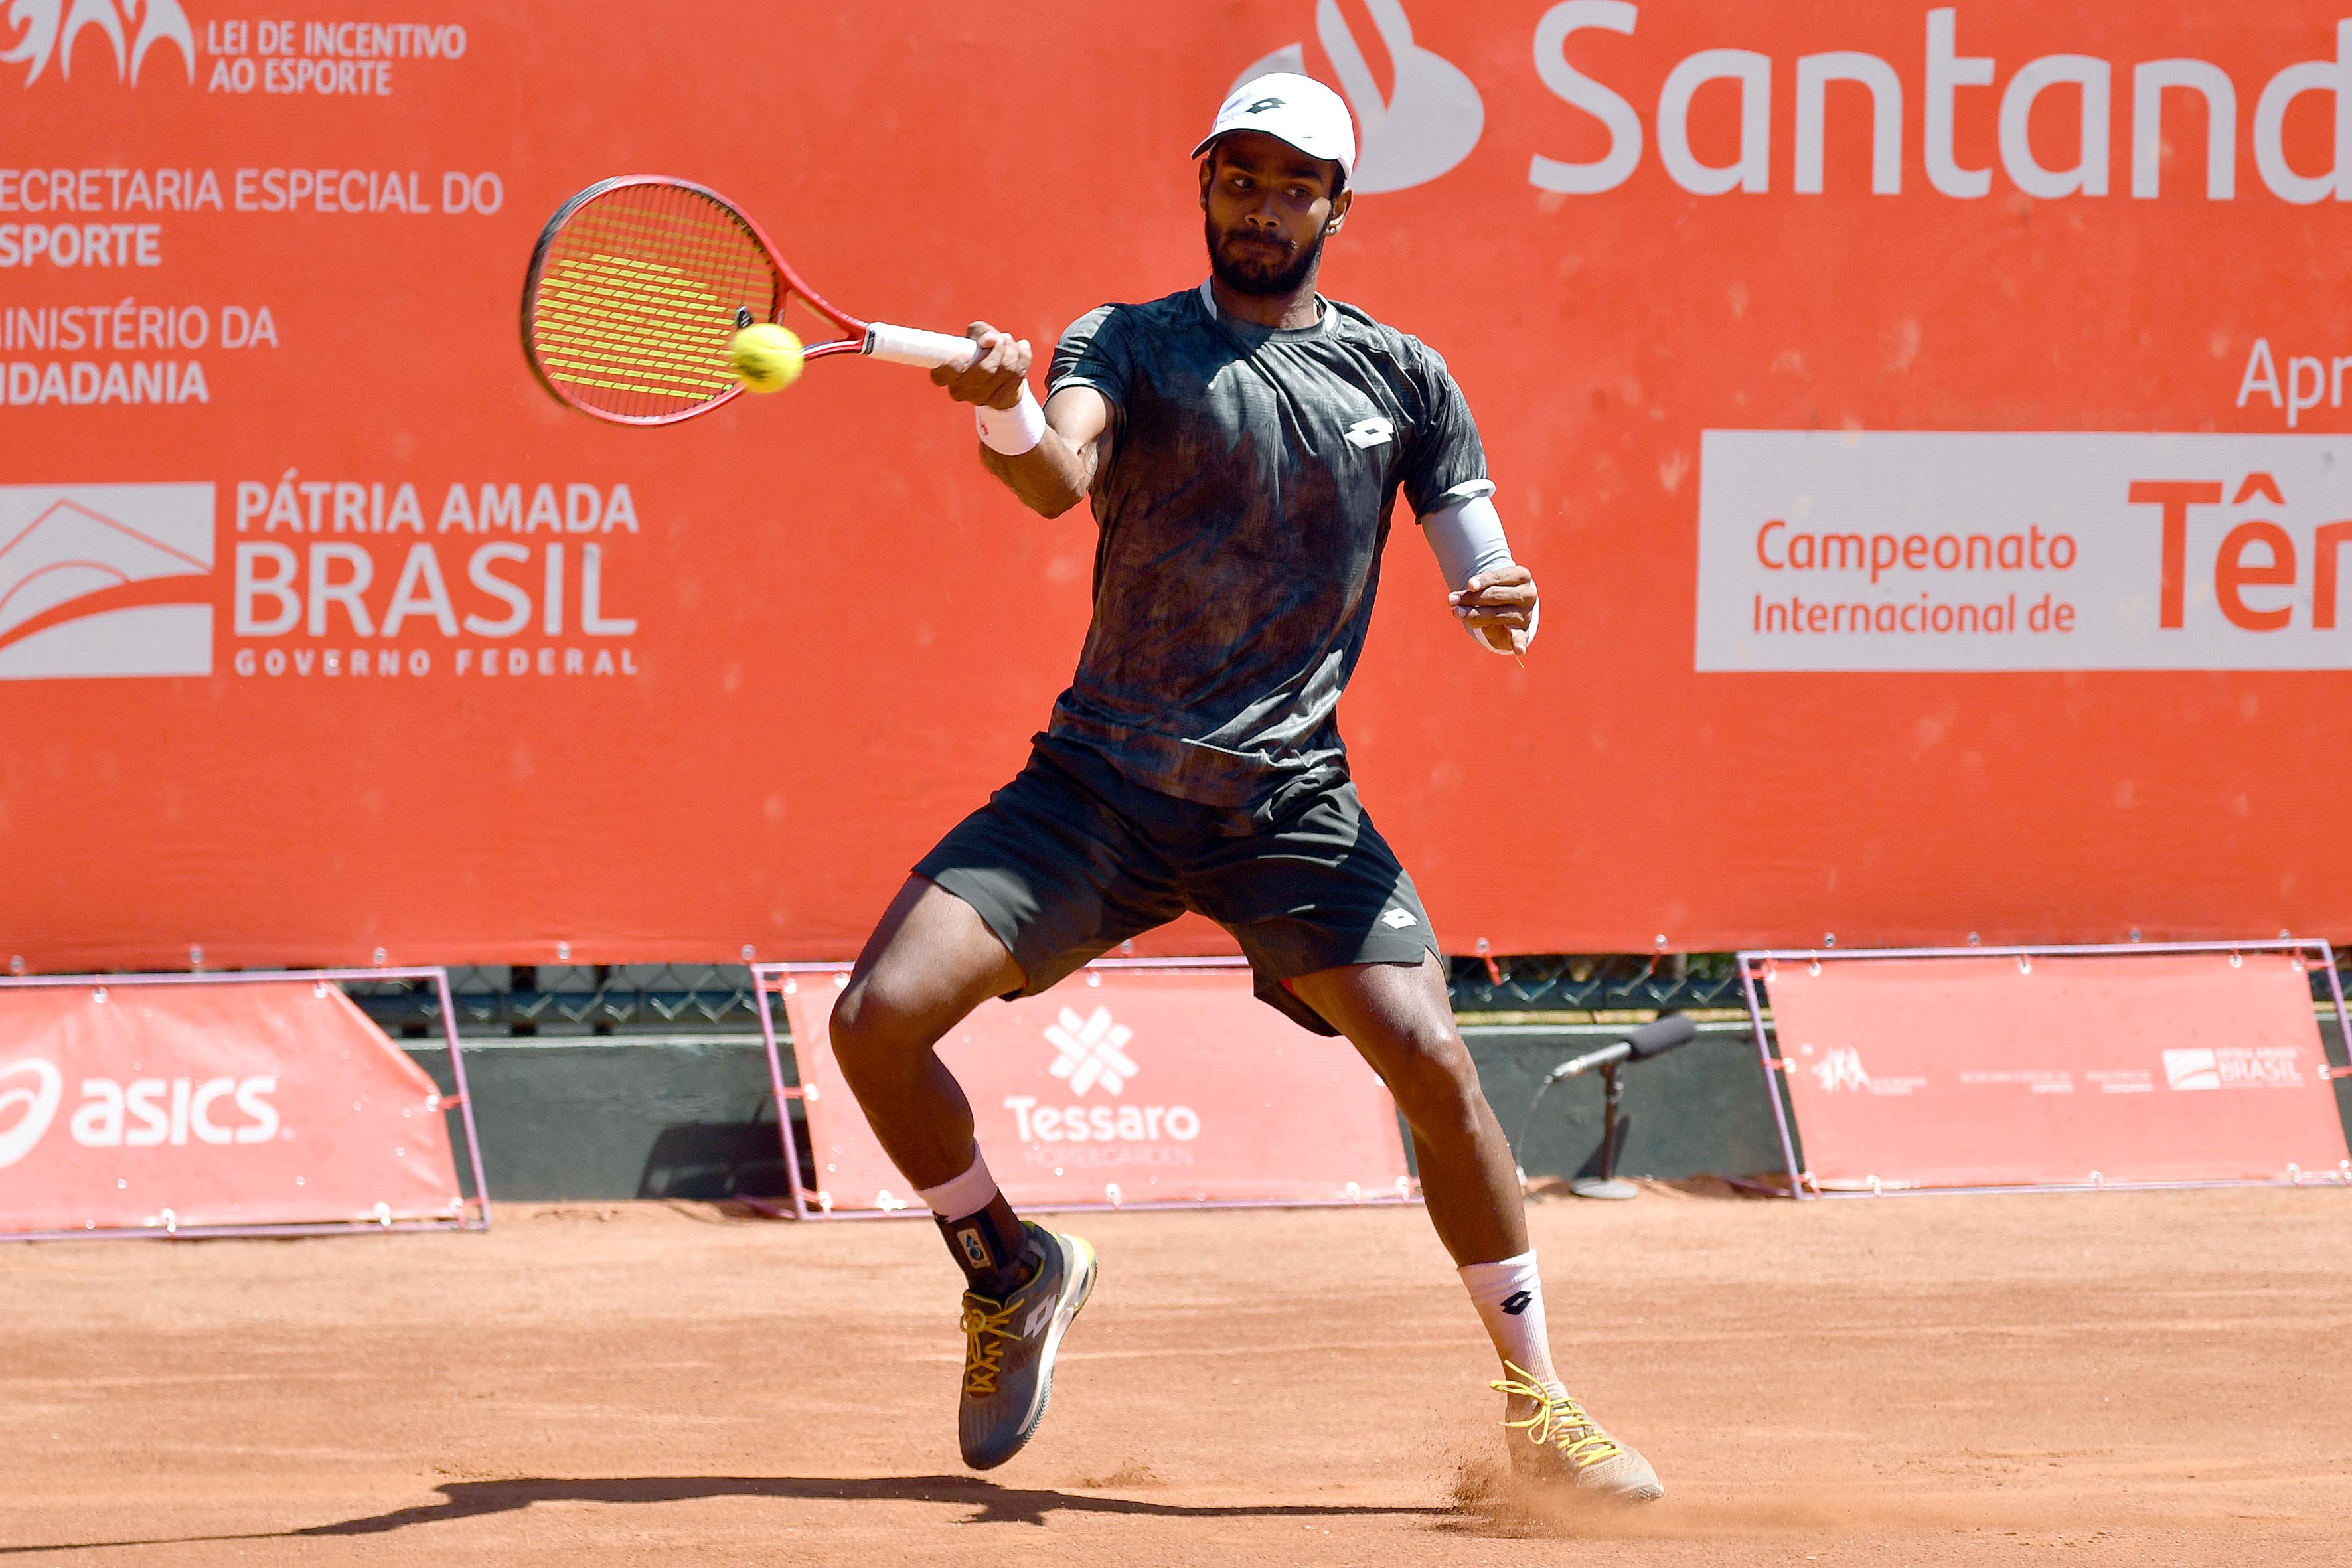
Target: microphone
1650 1040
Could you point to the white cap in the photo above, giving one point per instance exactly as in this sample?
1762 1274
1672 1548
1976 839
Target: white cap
1289 107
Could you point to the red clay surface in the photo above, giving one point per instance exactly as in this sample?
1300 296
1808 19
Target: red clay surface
2126 1379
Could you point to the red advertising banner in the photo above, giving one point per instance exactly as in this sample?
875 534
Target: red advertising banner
1932 418
178 1107
2013 1071
1126 1087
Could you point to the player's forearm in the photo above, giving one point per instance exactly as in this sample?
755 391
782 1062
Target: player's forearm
1050 478
1468 539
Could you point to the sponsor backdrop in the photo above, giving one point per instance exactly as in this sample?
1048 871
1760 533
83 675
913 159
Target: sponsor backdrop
1927 423
176 1106
1132 1088
1997 1070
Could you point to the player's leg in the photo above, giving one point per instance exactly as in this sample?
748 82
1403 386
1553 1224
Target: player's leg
1016 896
1398 1017
1338 940
930 961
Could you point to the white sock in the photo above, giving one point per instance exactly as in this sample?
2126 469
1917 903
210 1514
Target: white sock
1510 1298
963 1195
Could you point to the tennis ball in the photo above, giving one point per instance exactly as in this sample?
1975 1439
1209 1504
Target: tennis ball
765 357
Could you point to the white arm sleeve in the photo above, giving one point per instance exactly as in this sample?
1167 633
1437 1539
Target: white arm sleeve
1468 539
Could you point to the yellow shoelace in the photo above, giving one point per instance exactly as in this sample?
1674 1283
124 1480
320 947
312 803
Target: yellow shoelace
1556 1420
981 1358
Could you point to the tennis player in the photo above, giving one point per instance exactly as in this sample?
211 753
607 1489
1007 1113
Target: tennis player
1243 443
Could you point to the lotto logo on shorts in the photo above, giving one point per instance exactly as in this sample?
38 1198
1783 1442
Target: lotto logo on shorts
105 580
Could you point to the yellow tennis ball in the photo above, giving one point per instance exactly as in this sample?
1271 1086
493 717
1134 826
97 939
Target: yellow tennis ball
765 357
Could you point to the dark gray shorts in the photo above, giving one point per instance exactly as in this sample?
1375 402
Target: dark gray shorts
1072 858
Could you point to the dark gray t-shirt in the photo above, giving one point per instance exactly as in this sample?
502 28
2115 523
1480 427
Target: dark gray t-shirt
1244 496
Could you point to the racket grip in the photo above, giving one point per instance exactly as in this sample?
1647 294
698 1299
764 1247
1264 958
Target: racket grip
911 345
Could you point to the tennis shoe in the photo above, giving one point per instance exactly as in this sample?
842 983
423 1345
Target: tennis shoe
1009 1348
1555 1444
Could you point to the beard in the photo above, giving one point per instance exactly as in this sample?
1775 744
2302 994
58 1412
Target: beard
1261 268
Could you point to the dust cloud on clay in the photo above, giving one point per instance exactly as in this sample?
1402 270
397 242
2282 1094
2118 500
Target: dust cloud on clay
2134 1378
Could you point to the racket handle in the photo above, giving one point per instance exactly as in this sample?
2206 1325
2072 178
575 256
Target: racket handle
911 345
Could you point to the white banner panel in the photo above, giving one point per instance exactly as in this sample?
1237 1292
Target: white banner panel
105 580
1962 551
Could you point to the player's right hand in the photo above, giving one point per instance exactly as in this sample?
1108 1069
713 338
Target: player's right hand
995 377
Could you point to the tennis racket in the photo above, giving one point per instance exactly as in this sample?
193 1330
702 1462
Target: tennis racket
637 284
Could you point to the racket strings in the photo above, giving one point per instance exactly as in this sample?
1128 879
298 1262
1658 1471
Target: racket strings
637 300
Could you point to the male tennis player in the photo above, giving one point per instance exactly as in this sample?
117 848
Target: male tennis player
1244 443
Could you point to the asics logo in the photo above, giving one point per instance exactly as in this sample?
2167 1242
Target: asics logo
1092 1051
1397 919
1365 434
1517 1301
1425 127
38 1103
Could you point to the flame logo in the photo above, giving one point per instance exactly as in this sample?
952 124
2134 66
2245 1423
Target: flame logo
45 30
1424 128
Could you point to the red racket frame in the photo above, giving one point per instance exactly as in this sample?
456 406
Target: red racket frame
787 284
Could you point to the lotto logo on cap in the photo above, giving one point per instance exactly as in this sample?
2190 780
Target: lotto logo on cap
1294 109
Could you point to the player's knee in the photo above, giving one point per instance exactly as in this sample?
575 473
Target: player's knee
875 1027
1436 1083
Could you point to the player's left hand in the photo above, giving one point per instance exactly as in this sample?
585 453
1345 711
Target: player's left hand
1499 606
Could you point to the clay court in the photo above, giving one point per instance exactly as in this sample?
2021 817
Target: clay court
2130 1378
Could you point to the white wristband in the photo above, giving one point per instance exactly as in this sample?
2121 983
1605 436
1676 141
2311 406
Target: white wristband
1013 430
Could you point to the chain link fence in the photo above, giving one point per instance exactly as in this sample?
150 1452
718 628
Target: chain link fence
663 998
1596 982
670 998
571 999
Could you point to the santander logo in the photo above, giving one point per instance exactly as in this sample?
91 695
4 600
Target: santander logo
105 580
1426 126
45 30
36 1104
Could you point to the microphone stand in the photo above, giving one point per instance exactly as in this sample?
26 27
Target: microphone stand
1649 1040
